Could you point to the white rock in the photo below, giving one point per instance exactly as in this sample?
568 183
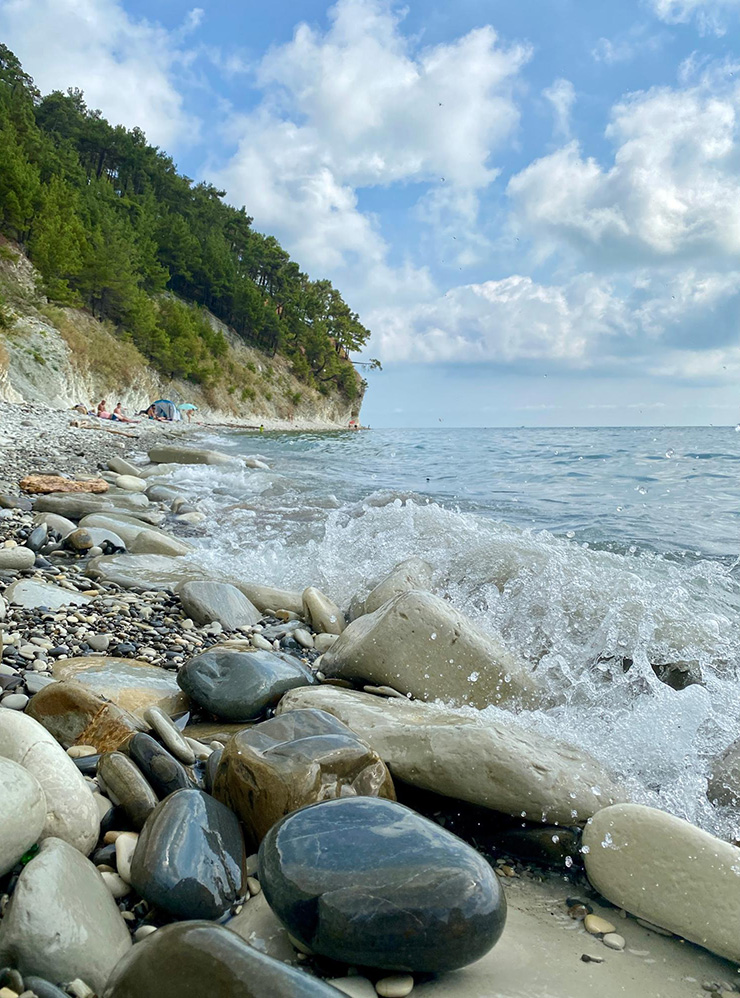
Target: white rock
22 813
414 573
667 871
30 594
71 811
493 763
262 929
395 986
55 522
62 921
303 637
125 847
121 467
257 641
324 615
138 537
419 644
614 941
16 558
131 483
117 886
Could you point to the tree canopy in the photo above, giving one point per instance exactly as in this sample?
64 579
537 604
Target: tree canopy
111 225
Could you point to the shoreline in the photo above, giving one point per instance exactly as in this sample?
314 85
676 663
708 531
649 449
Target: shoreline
539 928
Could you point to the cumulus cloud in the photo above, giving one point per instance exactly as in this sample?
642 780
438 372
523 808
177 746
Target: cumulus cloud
710 16
128 67
671 191
358 106
561 95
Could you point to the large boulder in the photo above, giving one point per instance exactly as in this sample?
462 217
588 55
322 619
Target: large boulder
240 685
22 813
298 758
497 765
198 874
145 572
71 812
208 601
62 922
16 559
419 644
130 683
414 573
76 506
170 454
269 598
369 882
724 778
139 538
74 714
667 871
198 958
33 594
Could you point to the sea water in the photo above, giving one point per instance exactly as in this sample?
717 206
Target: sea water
587 549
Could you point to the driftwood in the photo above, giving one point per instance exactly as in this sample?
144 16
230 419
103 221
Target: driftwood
45 484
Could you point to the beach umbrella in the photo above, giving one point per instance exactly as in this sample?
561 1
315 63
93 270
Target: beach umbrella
187 405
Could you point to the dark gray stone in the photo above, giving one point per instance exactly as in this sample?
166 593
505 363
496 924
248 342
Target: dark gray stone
241 685
197 958
189 859
162 770
368 882
37 537
207 601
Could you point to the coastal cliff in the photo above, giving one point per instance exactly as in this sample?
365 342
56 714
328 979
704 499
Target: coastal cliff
59 356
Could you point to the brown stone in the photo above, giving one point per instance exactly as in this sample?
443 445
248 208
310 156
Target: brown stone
75 715
128 682
292 760
45 484
216 731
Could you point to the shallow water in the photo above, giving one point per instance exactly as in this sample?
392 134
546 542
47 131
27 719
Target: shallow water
583 547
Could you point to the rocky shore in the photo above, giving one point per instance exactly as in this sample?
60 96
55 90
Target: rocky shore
210 785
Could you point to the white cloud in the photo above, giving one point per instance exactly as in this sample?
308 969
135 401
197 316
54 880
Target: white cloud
127 67
359 106
672 190
710 15
562 95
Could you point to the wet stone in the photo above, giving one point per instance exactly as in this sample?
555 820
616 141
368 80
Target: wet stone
128 786
200 959
368 882
296 759
241 685
189 857
164 773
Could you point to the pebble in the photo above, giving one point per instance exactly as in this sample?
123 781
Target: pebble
254 886
260 643
169 734
303 637
598 926
116 884
81 751
125 845
128 786
614 941
395 986
15 701
143 931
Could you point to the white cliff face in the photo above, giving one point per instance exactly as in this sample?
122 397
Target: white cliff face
61 356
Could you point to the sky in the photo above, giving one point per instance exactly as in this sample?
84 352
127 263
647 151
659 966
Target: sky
534 207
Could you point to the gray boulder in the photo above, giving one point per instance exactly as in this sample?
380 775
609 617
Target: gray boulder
324 615
22 813
143 572
414 573
207 601
269 598
62 922
494 764
167 453
420 645
32 594
16 559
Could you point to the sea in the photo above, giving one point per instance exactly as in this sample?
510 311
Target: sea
596 553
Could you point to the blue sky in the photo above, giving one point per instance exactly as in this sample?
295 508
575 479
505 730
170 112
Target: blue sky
535 207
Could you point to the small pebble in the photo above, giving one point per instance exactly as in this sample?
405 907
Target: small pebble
15 701
125 846
254 886
116 885
251 864
587 958
597 926
81 751
614 941
578 912
143 931
395 986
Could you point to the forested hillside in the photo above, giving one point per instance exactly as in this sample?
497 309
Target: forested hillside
111 225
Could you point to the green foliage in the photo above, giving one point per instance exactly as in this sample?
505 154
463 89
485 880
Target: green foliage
110 224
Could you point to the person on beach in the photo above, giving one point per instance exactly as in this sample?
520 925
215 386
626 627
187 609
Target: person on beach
118 414
102 412
151 412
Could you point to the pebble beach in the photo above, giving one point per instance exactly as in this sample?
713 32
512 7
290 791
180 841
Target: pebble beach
201 774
